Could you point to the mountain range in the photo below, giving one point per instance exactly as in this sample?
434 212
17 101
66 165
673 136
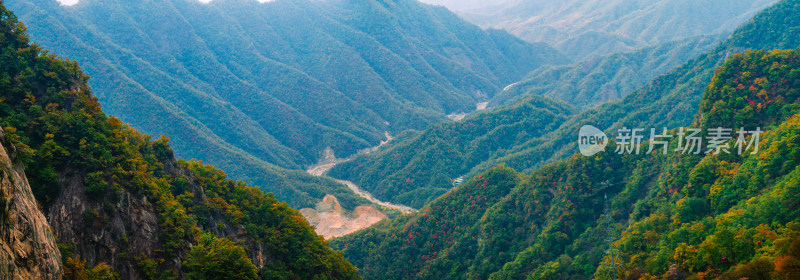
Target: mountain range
598 80
257 88
669 100
624 215
85 196
389 98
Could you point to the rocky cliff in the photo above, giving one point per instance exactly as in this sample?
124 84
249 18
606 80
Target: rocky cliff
100 236
27 246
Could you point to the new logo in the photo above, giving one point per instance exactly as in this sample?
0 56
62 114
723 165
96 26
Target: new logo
591 140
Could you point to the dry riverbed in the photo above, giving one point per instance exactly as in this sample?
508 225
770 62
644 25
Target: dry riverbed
329 218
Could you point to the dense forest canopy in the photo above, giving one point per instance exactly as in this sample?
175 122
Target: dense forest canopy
670 100
598 80
89 171
266 89
669 216
256 88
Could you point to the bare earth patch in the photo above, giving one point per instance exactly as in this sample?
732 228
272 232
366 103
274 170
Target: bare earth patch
330 220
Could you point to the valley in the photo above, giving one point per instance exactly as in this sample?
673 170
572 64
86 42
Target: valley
444 152
673 216
203 74
86 196
396 139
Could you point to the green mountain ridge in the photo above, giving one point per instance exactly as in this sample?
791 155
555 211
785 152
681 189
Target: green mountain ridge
248 86
671 216
119 204
426 164
670 100
598 80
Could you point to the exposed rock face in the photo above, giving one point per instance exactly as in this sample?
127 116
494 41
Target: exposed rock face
116 230
100 236
27 246
330 220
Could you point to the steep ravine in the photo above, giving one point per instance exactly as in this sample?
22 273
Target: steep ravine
27 246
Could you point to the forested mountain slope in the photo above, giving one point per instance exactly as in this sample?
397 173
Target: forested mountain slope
246 85
119 204
582 29
425 165
598 80
726 215
670 100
